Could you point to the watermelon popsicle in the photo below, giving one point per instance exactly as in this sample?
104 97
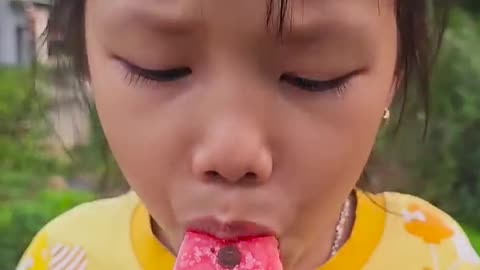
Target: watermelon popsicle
204 252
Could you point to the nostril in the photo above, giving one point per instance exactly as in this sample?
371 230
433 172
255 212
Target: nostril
249 178
213 174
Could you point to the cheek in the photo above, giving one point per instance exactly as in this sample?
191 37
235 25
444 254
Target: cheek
332 140
145 135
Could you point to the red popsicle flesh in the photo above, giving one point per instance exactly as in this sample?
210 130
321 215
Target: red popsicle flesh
204 252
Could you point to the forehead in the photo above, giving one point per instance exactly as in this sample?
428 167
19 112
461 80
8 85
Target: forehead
237 16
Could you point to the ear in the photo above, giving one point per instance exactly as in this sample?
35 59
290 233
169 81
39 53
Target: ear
392 91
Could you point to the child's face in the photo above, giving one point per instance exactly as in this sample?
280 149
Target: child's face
220 117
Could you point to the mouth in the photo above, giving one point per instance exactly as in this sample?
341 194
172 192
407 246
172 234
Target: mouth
231 230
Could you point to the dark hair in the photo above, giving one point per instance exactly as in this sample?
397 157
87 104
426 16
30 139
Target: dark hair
420 26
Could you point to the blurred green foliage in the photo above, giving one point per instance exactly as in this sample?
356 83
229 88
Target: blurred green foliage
444 168
23 161
474 235
25 166
471 5
20 220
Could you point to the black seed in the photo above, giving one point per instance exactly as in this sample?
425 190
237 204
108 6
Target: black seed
228 257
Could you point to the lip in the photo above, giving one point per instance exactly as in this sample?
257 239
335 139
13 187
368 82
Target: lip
231 230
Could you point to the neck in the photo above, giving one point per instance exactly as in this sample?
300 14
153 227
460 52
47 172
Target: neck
309 253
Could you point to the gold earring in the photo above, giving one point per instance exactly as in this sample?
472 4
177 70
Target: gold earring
386 114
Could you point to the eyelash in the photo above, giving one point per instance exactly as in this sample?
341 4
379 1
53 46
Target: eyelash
339 85
139 76
136 75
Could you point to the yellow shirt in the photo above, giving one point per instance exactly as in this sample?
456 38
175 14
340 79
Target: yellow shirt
115 234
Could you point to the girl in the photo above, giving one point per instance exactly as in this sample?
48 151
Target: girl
248 118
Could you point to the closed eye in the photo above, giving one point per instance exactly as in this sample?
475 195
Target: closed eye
338 84
136 75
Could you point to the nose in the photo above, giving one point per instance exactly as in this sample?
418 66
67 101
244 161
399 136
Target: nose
233 155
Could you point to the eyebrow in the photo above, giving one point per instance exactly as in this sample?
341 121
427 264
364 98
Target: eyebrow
329 29
156 17
331 35
175 20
